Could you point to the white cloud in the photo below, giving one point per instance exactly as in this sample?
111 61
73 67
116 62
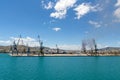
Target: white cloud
56 29
84 8
27 40
49 5
23 41
64 4
6 42
70 47
61 8
96 24
78 46
99 46
118 3
42 2
59 14
117 11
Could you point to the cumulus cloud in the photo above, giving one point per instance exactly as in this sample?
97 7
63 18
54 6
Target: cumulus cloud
70 47
118 3
5 42
83 9
117 13
23 41
78 47
96 24
64 4
49 5
56 29
102 46
59 14
26 41
61 8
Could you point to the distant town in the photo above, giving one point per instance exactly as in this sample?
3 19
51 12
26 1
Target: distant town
89 48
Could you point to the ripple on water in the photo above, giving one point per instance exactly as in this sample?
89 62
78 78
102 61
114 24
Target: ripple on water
59 68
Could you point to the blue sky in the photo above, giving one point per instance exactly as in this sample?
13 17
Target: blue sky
62 22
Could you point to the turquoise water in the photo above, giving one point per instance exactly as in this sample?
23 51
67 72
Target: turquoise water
59 68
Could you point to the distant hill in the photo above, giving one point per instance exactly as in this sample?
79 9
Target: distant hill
6 49
109 48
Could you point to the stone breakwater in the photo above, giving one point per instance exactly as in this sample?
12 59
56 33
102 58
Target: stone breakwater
19 55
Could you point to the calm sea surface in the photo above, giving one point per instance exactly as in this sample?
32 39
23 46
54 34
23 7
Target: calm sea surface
59 68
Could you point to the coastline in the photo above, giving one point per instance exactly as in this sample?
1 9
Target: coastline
32 55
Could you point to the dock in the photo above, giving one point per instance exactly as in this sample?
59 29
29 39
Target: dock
32 55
